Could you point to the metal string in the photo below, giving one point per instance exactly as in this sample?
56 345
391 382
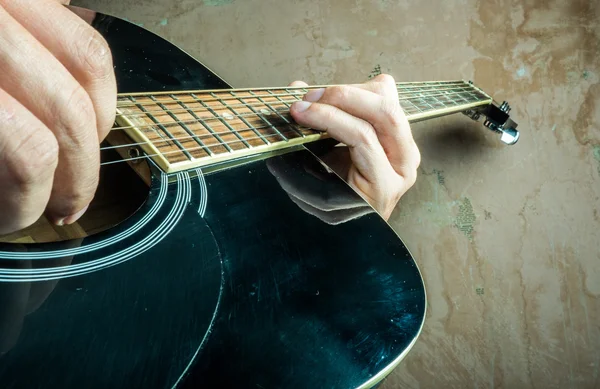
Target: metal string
188 149
457 90
218 118
224 106
193 137
402 94
200 136
402 90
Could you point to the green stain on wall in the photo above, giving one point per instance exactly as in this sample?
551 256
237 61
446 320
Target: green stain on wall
216 3
375 72
383 4
466 218
597 156
440 176
164 22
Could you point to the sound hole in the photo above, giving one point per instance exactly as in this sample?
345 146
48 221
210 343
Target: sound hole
120 194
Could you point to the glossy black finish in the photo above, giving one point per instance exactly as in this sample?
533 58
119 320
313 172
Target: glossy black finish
221 281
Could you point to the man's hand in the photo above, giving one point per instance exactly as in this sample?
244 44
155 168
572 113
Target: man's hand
369 120
57 103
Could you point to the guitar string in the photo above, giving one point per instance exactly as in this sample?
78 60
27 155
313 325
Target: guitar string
301 90
226 106
204 136
190 149
212 135
280 102
219 99
219 143
228 96
197 148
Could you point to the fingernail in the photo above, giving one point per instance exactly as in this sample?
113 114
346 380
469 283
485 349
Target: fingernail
73 218
314 95
302 106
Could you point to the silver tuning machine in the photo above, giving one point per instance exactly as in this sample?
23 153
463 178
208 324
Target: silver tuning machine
497 118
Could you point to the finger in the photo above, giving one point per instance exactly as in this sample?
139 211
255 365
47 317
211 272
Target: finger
28 159
34 77
78 46
298 84
367 153
382 84
384 114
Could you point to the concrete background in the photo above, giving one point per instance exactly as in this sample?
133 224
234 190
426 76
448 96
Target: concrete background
507 238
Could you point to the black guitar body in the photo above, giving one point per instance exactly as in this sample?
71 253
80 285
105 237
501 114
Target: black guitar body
218 280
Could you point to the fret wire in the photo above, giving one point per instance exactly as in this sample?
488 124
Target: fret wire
403 86
201 121
448 102
222 121
462 85
220 141
279 98
257 104
262 117
295 95
200 136
244 120
452 99
164 129
414 105
188 121
175 151
182 125
418 101
426 103
458 96
278 114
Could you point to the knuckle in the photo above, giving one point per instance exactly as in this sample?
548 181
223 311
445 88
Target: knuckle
385 85
337 93
386 79
391 112
33 159
410 177
417 156
79 197
329 113
366 134
94 54
409 173
77 114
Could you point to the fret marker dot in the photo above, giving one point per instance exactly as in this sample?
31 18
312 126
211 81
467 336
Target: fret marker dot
265 111
227 116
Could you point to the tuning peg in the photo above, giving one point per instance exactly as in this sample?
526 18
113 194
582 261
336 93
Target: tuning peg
505 107
509 136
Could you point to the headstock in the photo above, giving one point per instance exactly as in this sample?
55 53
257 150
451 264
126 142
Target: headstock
497 118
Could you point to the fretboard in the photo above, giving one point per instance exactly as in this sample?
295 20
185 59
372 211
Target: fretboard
185 130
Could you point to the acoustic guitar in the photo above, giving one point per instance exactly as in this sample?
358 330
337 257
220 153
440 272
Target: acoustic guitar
220 250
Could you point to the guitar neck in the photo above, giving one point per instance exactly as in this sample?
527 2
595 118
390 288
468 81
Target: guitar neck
191 129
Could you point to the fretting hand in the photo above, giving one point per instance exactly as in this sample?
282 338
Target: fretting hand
381 158
57 102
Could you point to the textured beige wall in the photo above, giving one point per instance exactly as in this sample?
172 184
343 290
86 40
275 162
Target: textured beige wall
507 238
